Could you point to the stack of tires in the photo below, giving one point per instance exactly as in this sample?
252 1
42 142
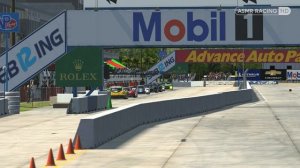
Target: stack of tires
13 102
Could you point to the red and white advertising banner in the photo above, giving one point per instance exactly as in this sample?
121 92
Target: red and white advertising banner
238 55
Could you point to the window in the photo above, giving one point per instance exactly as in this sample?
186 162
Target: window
289 67
272 67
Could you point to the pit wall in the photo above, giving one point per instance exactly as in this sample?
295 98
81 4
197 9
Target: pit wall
3 106
100 128
201 83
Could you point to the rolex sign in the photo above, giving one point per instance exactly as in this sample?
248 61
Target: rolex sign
80 67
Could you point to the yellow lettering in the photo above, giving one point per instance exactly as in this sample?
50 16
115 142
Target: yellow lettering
240 57
210 57
252 57
291 54
192 57
262 58
226 57
233 57
217 57
201 57
279 57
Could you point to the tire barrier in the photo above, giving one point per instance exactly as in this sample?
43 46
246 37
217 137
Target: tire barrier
13 102
3 106
100 128
87 104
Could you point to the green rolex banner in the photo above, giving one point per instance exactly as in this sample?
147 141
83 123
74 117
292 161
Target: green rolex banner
80 67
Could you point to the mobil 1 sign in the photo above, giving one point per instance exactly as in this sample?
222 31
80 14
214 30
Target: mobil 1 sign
36 52
185 27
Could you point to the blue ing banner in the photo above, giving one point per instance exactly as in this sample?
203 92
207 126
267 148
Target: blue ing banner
9 22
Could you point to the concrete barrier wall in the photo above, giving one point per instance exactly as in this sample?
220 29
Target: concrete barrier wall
197 83
103 127
66 97
86 104
3 106
181 84
201 84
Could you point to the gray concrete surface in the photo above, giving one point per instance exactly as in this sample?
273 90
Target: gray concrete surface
263 134
33 133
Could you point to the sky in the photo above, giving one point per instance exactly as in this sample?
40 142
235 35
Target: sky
186 3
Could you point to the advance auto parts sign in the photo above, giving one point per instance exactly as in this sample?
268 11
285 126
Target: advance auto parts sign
238 56
81 67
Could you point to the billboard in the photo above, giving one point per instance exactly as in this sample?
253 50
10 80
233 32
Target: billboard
278 74
161 67
9 22
80 67
293 75
251 74
34 53
238 56
183 27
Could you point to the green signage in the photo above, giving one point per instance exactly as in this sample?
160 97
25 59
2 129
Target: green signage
80 67
180 68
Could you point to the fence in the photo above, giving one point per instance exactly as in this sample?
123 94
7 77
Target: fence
40 94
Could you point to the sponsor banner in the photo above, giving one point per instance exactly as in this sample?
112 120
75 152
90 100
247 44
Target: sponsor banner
238 56
9 22
80 67
34 53
293 75
182 27
161 67
252 74
278 74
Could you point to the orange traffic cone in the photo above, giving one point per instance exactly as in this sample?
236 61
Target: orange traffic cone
77 143
70 149
61 154
32 164
50 160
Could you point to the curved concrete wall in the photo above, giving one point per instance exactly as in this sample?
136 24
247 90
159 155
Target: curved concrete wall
103 127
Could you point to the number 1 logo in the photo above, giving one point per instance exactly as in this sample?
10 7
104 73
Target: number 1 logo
249 26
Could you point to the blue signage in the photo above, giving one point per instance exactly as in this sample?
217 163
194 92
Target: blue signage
9 22
162 54
252 74
211 30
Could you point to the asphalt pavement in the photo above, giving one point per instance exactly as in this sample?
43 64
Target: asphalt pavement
263 134
33 133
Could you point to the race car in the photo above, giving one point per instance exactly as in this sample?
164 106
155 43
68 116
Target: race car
132 92
118 91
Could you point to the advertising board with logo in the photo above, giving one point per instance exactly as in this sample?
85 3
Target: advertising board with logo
80 67
34 53
293 75
278 74
183 27
161 67
251 74
238 56
9 22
